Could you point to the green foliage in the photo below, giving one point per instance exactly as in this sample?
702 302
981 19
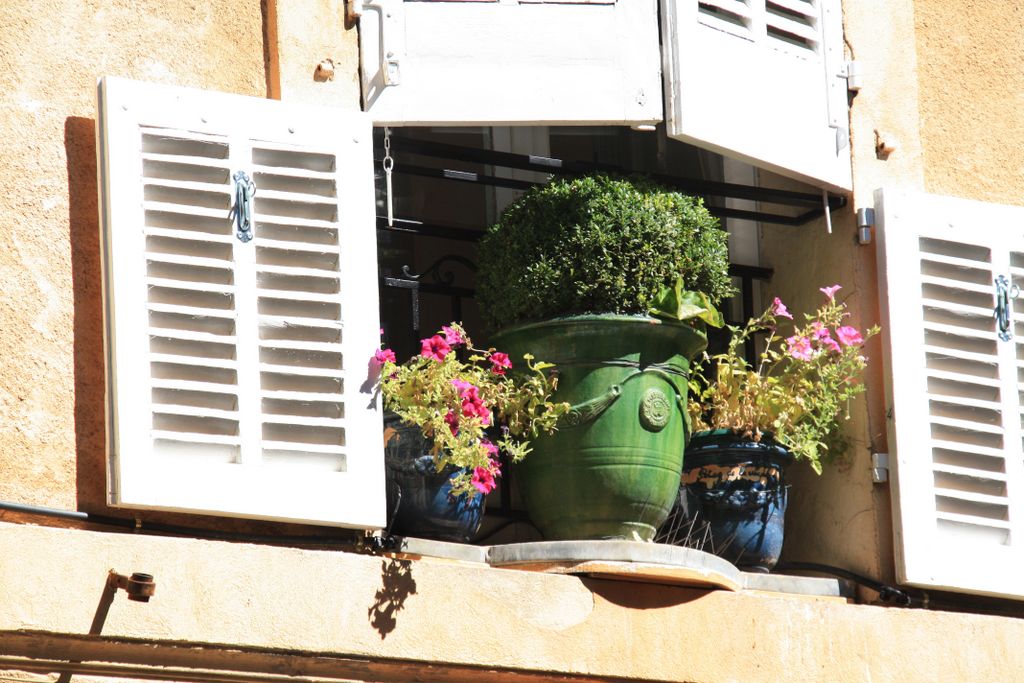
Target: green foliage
675 303
597 244
800 390
472 403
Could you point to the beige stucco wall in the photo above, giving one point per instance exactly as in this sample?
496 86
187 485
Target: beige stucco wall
307 33
971 85
433 611
51 381
51 370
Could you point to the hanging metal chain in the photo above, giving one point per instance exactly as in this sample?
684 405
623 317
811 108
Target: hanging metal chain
241 212
1004 293
388 164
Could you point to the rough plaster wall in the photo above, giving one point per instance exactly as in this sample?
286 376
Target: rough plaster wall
972 98
309 31
426 610
51 53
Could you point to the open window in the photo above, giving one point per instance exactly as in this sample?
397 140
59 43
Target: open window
954 391
238 364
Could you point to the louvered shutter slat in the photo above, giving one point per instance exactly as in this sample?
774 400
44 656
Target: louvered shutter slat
794 19
954 392
190 286
239 368
194 438
970 472
966 448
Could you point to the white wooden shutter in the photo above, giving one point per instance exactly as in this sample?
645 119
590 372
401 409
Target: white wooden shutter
955 391
760 80
496 63
237 371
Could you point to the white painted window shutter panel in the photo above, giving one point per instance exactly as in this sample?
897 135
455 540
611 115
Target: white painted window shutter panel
760 80
508 63
237 371
954 390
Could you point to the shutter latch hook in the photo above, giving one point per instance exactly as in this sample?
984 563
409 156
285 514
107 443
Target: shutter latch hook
245 190
1004 293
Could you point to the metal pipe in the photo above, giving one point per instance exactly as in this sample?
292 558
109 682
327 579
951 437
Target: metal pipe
151 672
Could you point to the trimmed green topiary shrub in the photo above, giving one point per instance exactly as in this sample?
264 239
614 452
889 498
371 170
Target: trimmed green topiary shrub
597 244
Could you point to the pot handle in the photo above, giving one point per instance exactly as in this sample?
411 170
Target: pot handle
589 411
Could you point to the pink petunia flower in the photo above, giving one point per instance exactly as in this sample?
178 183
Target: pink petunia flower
500 362
434 347
483 480
800 347
452 421
828 342
452 335
462 386
818 330
472 404
492 450
779 309
830 292
476 408
849 336
384 355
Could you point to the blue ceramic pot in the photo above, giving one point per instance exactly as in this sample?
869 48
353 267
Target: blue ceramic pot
734 490
419 497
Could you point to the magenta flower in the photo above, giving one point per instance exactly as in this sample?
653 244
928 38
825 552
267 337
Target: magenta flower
472 404
818 330
462 385
779 309
800 347
384 355
483 480
434 347
452 421
830 292
500 362
492 450
849 336
828 342
452 335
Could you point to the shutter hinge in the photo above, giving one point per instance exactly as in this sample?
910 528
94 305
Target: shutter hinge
879 467
391 34
854 75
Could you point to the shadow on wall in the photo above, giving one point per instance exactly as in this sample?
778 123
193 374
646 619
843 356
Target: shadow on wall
640 596
86 279
397 585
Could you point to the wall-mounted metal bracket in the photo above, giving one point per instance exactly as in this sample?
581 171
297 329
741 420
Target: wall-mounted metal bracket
879 467
140 588
865 222
853 72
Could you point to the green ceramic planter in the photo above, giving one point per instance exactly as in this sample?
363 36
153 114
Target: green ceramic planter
612 469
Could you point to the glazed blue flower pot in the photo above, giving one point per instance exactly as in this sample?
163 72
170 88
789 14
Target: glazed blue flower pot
419 497
734 491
